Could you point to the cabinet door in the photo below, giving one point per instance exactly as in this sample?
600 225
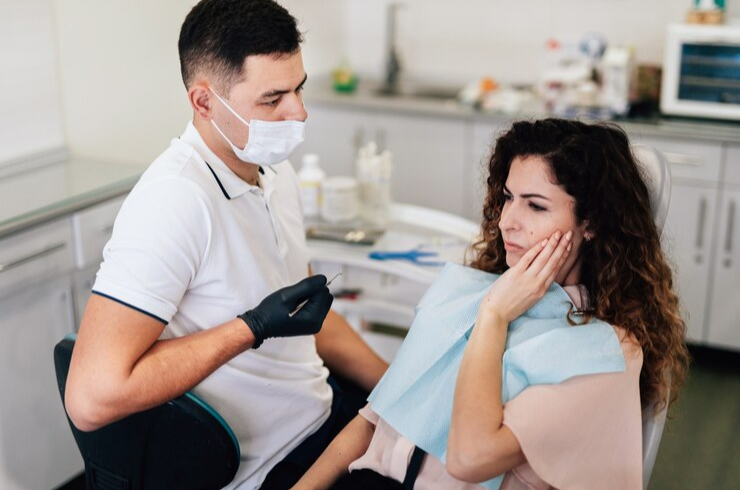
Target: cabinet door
428 158
84 280
724 315
334 134
687 237
37 449
689 159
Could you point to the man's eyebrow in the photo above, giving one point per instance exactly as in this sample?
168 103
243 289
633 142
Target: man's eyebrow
273 93
527 196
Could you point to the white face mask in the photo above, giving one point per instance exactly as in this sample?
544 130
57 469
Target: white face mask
269 142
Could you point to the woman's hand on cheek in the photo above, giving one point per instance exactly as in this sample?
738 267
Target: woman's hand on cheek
520 287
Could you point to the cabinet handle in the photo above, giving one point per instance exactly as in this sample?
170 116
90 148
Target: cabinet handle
33 256
700 228
700 223
730 231
681 159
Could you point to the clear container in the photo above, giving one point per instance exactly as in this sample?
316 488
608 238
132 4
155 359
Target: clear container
374 174
310 177
340 199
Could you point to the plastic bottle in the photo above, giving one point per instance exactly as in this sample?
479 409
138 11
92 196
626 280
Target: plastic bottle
310 177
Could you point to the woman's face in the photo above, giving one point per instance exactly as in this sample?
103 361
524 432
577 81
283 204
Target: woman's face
534 209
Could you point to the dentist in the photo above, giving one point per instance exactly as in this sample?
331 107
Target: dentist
208 258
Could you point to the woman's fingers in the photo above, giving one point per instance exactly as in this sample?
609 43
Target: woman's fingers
539 263
557 269
526 260
558 258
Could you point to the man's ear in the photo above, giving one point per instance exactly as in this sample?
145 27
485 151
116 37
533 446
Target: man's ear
201 99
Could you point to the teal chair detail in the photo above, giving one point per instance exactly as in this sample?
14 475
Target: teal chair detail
182 444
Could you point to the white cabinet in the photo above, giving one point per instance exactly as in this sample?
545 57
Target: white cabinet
724 314
428 158
37 450
91 229
334 134
687 238
428 153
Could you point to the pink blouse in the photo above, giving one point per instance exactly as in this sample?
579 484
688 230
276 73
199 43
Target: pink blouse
580 434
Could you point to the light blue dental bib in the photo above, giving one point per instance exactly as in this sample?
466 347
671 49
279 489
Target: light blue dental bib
415 395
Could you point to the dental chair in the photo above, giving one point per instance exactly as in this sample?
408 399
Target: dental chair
182 444
656 172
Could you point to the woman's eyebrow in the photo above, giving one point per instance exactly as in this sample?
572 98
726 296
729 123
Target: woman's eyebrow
527 196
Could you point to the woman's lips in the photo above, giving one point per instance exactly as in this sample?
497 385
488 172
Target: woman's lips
512 247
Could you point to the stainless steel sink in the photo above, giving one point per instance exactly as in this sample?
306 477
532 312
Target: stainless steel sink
418 92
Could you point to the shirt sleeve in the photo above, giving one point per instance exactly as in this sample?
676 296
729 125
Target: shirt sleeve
159 239
369 415
583 433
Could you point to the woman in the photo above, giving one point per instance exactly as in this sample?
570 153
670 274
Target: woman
544 396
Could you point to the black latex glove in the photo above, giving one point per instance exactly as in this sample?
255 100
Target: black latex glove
271 318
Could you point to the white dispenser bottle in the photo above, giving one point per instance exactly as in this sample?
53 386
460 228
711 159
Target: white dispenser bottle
310 177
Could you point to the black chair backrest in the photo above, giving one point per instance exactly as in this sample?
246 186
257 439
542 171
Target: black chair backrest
183 444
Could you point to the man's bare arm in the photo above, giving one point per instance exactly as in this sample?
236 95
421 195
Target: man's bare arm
346 354
119 367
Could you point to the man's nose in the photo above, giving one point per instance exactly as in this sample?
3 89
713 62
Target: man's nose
296 111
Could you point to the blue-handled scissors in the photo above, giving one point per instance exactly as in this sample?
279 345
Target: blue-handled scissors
410 255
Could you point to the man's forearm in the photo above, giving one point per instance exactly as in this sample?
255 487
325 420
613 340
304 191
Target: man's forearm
346 354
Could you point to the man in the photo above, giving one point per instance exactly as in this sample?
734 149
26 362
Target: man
205 256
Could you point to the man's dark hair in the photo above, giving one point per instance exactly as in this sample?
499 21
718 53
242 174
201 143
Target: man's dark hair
218 35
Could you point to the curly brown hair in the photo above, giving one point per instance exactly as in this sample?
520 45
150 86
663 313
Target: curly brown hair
624 269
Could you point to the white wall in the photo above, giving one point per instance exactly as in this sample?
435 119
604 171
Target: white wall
119 73
121 89
464 39
30 115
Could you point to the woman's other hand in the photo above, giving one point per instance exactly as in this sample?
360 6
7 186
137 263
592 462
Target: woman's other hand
520 287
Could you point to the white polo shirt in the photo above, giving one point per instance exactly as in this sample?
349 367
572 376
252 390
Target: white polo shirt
195 246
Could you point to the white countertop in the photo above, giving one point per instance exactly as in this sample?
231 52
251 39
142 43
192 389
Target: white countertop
44 193
365 98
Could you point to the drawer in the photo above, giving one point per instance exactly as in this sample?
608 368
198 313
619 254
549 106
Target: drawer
732 165
690 159
92 229
36 255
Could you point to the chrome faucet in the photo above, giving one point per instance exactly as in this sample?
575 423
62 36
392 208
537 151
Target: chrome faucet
392 62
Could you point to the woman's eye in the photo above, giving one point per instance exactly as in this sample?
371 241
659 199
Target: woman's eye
508 197
537 207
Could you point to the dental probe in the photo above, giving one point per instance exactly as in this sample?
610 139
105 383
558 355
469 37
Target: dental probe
298 308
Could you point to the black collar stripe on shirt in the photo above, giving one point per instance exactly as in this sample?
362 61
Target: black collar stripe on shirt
219 182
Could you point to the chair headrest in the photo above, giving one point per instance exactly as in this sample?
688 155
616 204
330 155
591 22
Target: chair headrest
656 173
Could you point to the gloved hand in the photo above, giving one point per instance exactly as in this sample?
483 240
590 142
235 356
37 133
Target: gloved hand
271 318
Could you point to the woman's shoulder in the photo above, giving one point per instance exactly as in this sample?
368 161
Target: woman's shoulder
630 345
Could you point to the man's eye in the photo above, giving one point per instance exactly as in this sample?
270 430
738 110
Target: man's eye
272 103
